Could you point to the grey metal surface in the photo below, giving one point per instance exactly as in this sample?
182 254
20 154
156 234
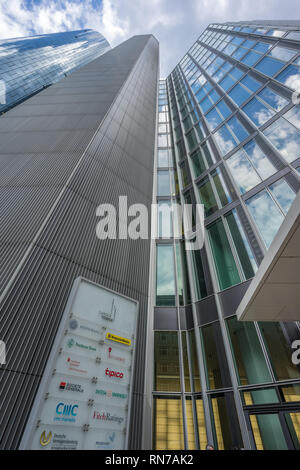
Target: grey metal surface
67 158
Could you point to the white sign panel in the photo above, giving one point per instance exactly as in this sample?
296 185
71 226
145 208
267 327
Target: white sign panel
84 398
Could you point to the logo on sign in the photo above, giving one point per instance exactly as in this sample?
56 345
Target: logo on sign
118 339
74 366
70 387
110 437
112 356
110 394
45 440
114 373
66 412
111 315
104 416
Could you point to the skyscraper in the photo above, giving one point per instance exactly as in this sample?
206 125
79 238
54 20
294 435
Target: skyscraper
81 142
30 64
134 343
228 137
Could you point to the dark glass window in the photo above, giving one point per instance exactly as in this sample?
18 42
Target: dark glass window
217 372
166 362
224 261
279 350
248 356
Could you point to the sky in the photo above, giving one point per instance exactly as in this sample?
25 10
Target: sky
175 23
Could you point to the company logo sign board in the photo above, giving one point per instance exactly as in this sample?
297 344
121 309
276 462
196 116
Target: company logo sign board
86 396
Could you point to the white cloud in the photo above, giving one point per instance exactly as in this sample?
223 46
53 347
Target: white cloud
175 23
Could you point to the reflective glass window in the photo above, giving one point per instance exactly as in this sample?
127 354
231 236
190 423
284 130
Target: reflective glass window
244 252
279 351
207 197
248 356
283 193
165 276
273 99
227 271
239 94
266 215
224 140
269 66
237 128
216 367
285 138
258 112
163 183
242 171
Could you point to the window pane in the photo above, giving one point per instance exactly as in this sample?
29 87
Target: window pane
267 432
258 112
250 83
220 186
286 139
166 362
194 362
213 119
165 282
198 163
273 99
164 215
290 77
190 423
207 197
283 193
242 171
282 53
224 261
259 160
251 58
227 82
266 215
239 94
162 140
168 424
215 359
241 244
237 128
249 360
279 351
187 383
163 157
199 277
224 140
226 429
182 277
163 183
201 423
269 66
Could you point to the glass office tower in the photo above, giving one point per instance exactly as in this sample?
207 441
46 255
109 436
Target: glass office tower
30 64
228 138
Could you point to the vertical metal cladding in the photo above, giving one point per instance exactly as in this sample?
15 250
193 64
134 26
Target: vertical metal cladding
81 142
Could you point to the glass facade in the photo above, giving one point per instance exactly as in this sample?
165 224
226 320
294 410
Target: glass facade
27 65
228 135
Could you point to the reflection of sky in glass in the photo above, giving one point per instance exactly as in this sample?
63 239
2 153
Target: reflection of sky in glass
163 183
282 53
283 193
224 140
237 128
242 171
293 116
285 137
273 99
258 112
269 66
259 160
266 215
294 35
29 64
290 77
213 119
165 283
